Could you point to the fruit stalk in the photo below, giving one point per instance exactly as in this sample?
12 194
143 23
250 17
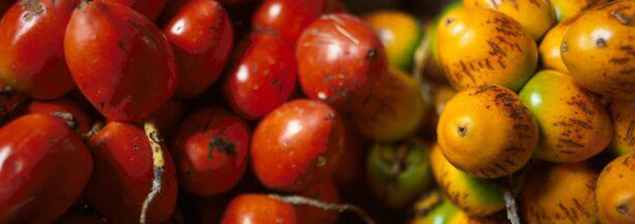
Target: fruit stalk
299 200
156 142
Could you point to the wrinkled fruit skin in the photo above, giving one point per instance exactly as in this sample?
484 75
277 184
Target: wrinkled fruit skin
287 18
615 192
400 33
149 8
259 209
127 71
480 46
623 116
124 173
297 145
487 132
339 59
201 34
550 46
211 151
65 111
264 78
324 192
43 169
603 61
536 16
565 9
30 63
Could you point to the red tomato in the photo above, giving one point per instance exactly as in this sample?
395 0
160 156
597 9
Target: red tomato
120 60
288 18
324 192
31 42
258 209
149 8
65 111
264 78
297 145
43 169
202 37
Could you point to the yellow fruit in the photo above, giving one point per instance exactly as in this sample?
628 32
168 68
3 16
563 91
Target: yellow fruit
615 192
551 44
535 15
565 9
623 114
400 33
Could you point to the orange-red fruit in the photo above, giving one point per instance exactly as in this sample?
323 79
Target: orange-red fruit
324 192
65 111
287 18
259 209
149 8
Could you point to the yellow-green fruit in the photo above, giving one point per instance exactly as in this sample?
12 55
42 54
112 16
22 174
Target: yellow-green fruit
487 132
446 213
400 33
599 49
623 114
550 46
475 196
615 192
433 68
574 126
481 46
565 9
560 194
535 15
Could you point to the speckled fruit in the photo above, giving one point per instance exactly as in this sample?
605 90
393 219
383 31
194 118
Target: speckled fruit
615 192
623 114
536 16
552 43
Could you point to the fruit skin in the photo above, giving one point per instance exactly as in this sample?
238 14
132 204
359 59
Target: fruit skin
487 132
475 196
559 194
259 209
574 125
287 18
446 213
351 168
149 8
264 78
210 151
550 46
615 192
488 47
30 63
123 163
324 192
168 117
4 6
339 59
127 71
202 36
433 68
79 218
43 169
59 109
400 33
10 101
602 61
537 17
623 116
297 145
565 9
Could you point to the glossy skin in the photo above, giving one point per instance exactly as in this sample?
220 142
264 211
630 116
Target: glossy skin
487 132
127 71
446 213
400 33
479 46
574 125
30 63
325 192
565 9
599 52
43 169
559 194
264 78
297 145
258 209
59 109
202 37
123 162
433 67
287 18
623 116
339 58
210 151
535 15
398 173
550 46
149 8
615 192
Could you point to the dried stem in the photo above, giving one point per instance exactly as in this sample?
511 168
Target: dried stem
299 200
512 209
158 162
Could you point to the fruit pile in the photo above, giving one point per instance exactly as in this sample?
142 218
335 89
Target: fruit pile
297 111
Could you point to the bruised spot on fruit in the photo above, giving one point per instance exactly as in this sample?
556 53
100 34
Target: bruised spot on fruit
622 209
33 8
600 42
70 119
448 21
222 146
622 18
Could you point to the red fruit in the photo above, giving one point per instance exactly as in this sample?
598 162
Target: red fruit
210 151
231 2
43 168
65 111
172 7
202 37
31 42
149 8
351 167
124 173
120 60
9 100
297 145
76 218
288 18
339 59
324 192
264 78
258 209
334 6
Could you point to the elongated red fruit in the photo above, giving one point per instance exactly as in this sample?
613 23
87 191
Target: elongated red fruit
259 209
149 8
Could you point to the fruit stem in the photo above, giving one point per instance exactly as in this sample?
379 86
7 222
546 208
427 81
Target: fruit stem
512 210
299 200
158 162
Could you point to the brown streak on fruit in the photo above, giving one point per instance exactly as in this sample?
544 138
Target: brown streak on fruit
467 72
581 123
571 143
622 18
619 61
33 8
496 48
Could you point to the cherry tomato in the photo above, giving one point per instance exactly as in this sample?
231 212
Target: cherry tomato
264 78
297 145
339 59
121 61
287 18
65 111
202 37
149 8
259 209
31 42
324 192
43 168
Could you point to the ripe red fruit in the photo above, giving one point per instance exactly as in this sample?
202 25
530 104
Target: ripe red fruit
202 37
297 145
124 173
149 8
9 101
79 218
264 78
258 209
210 151
120 60
287 18
351 167
43 168
339 59
65 111
31 42
324 192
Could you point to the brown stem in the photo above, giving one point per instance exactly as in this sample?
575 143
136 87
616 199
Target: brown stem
158 162
299 200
